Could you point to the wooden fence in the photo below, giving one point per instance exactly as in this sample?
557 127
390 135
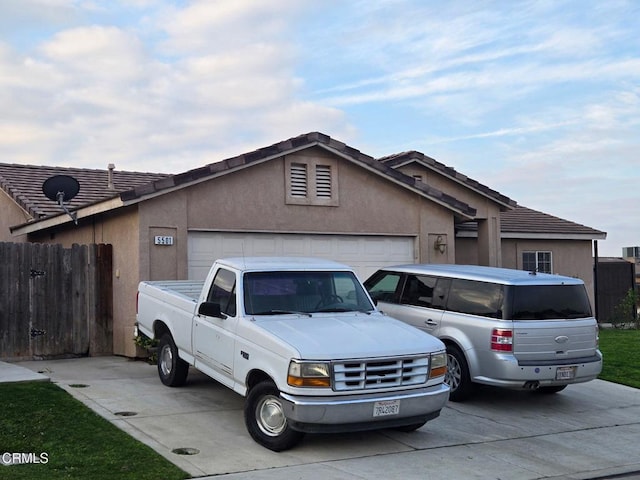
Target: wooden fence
55 302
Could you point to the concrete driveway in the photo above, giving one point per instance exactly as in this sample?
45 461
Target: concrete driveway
587 431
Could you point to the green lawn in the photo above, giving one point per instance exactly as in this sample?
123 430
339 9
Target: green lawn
41 418
621 351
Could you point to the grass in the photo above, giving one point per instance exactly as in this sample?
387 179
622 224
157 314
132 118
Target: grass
621 352
40 417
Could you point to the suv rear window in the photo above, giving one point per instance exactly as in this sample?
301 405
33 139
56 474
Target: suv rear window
544 302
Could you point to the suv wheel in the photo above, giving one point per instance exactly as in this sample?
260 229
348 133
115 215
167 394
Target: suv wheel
457 376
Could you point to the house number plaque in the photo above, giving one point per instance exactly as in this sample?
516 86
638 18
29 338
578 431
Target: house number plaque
162 240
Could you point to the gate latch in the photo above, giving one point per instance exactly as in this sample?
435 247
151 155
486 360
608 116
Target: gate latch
36 332
37 273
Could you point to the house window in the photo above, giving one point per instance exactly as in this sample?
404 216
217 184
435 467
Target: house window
311 181
537 262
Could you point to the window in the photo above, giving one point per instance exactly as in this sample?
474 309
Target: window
270 293
418 290
223 292
382 287
537 262
311 181
543 302
476 298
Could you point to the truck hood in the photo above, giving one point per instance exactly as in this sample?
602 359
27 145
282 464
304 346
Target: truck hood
348 335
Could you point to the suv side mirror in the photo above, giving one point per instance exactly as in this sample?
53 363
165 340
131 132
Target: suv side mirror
210 309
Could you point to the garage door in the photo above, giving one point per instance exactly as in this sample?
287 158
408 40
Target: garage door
364 253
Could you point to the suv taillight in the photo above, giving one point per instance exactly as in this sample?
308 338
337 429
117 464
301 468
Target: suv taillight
502 340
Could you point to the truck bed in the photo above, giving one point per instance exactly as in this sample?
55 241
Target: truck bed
189 289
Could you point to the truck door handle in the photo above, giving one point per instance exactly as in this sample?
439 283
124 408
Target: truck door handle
431 323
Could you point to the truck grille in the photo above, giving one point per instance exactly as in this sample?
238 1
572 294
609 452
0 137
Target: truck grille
380 373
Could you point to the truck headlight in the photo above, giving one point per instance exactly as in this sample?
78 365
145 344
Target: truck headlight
438 364
309 374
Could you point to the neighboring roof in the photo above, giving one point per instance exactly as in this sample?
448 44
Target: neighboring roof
404 158
523 222
301 142
24 184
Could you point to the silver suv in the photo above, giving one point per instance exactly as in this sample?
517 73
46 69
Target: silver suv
502 327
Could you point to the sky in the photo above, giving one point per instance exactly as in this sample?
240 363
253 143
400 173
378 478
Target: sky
539 100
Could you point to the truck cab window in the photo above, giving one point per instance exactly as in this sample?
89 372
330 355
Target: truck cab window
223 292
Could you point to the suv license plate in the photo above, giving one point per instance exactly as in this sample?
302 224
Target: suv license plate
565 373
387 407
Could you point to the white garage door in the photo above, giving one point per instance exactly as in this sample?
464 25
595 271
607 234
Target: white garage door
364 253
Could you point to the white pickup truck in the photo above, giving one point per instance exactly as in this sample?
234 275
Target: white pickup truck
301 339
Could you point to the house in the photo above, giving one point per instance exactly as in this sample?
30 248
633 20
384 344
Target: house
309 195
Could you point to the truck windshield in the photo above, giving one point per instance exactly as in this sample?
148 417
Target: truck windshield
270 293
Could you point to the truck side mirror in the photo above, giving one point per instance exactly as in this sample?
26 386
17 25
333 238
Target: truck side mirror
210 309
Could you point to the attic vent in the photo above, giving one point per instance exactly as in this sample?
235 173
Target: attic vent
323 181
298 180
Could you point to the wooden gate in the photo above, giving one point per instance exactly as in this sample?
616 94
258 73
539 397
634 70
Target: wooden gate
55 302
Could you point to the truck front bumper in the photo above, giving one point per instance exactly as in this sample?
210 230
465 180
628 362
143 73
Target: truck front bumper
358 412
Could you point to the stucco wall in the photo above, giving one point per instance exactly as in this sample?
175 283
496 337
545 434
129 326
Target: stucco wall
254 200
11 215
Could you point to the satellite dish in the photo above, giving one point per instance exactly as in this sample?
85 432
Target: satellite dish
61 188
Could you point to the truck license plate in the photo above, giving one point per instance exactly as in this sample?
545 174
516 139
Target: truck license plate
565 373
387 407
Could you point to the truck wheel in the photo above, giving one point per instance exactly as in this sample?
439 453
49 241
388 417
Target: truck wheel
265 419
172 370
457 376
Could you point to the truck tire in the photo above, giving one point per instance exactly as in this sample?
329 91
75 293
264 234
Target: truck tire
172 370
457 376
265 420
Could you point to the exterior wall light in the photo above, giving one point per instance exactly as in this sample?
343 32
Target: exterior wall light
440 244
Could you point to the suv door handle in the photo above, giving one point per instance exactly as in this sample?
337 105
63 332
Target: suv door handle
431 323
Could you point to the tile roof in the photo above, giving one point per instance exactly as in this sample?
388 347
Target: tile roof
399 159
291 145
24 184
523 221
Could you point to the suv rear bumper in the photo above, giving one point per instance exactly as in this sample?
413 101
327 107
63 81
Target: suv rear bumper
507 372
355 412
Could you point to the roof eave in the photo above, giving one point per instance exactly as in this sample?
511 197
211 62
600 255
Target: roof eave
540 236
509 204
62 218
132 197
465 215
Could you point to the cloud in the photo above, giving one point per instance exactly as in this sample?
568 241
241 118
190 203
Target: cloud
177 88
